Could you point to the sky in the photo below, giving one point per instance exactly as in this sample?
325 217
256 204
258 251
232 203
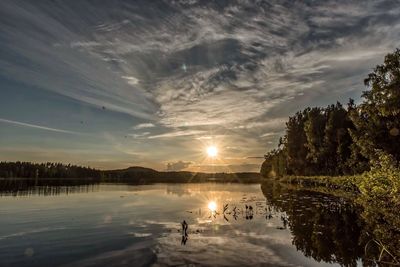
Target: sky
113 84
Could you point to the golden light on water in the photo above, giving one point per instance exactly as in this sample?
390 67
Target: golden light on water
212 151
212 206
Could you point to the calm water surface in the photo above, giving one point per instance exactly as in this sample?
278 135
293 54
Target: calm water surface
124 225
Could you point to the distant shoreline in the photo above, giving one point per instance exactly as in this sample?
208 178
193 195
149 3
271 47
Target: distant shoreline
161 177
26 174
57 173
209 177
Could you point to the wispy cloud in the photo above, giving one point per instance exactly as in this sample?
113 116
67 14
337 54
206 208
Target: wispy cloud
37 126
177 134
143 126
131 80
269 134
48 63
139 135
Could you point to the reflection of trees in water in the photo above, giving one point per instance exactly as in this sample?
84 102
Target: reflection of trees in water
46 187
328 228
325 228
382 230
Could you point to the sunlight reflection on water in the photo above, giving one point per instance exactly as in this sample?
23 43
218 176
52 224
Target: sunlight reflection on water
121 225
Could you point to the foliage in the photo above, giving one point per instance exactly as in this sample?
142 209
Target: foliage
383 181
294 143
314 129
377 118
380 196
275 163
342 141
363 141
378 192
317 142
348 183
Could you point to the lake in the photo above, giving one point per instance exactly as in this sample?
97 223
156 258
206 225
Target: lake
141 225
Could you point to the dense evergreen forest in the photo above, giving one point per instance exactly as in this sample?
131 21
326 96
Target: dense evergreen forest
343 139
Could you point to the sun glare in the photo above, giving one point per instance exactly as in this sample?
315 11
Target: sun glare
212 206
212 151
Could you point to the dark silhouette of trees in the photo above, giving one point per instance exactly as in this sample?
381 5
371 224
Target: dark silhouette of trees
314 129
45 170
317 142
377 118
295 140
275 163
136 175
336 140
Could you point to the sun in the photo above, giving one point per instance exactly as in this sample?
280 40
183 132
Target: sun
212 151
212 206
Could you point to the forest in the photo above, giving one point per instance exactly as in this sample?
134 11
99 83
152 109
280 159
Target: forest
353 151
344 139
45 170
62 174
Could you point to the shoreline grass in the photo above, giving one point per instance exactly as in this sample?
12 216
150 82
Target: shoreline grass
345 183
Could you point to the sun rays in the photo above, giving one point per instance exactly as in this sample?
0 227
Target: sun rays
212 151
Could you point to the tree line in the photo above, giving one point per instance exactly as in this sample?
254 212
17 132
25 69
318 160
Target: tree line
45 170
343 140
41 173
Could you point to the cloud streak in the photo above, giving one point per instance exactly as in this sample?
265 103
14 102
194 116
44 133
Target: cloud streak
144 126
38 127
180 133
